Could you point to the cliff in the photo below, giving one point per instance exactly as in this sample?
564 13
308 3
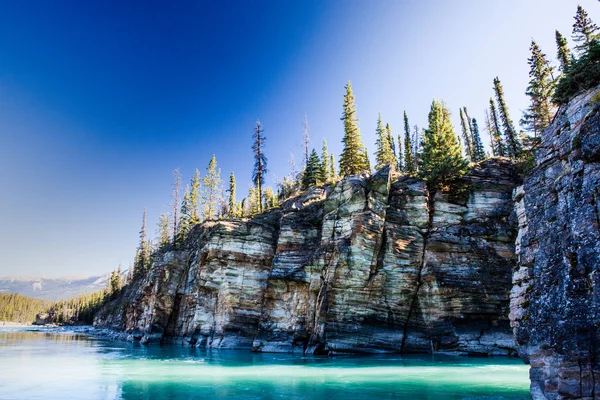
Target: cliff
369 264
556 296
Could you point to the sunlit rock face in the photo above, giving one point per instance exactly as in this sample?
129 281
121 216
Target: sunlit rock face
556 296
370 264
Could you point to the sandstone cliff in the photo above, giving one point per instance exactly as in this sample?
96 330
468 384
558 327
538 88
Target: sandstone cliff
370 264
556 296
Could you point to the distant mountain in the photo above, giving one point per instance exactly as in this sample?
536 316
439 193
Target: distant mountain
53 288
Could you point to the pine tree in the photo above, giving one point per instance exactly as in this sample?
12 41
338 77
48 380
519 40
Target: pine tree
498 142
232 207
193 199
384 155
400 160
211 189
306 139
416 139
390 138
260 162
142 262
325 169
175 202
584 31
512 141
409 160
332 172
270 198
563 53
312 172
540 90
441 154
354 159
163 234
185 213
478 150
490 130
466 134
367 160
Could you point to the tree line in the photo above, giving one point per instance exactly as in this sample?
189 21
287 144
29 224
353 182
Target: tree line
435 153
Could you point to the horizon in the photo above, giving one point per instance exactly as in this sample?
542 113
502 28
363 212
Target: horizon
100 102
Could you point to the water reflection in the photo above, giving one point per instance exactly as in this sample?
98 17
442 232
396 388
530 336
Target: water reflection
67 365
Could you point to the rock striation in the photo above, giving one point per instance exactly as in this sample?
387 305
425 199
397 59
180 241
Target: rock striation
555 302
369 264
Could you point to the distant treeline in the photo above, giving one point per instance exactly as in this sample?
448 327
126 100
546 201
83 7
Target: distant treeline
23 309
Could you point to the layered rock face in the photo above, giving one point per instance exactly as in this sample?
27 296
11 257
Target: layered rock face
556 298
369 264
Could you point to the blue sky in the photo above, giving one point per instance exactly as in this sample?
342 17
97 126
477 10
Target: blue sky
100 101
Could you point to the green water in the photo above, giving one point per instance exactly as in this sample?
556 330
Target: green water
66 365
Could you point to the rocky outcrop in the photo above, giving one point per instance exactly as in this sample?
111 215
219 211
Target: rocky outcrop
556 296
369 264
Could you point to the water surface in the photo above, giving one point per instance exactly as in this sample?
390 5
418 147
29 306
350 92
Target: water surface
61 364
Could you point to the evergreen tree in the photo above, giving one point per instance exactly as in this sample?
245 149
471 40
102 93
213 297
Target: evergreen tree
232 206
441 154
384 155
332 171
367 160
409 160
541 87
211 189
498 142
142 261
193 200
584 31
390 138
185 213
466 135
416 139
175 202
270 198
164 225
512 140
563 53
260 162
478 150
313 170
490 130
354 159
325 169
306 139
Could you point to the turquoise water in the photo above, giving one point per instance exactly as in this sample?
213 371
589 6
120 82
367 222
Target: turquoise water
51 364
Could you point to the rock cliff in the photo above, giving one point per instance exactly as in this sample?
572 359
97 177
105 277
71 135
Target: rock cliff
556 296
369 264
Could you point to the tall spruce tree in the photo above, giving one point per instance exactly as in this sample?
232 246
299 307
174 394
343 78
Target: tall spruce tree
194 199
512 140
384 154
563 53
306 139
142 261
490 130
211 190
312 173
416 139
332 171
478 149
231 190
466 134
185 213
441 154
498 142
584 31
409 160
353 159
163 234
175 202
260 162
540 90
390 138
325 168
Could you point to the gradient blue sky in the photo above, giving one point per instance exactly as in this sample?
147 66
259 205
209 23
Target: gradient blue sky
101 100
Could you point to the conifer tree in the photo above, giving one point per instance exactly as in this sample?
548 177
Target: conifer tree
384 155
270 199
312 172
416 139
211 189
175 202
231 190
498 142
164 237
260 162
367 160
400 164
353 159
332 171
325 169
466 134
142 262
478 150
584 31
184 225
306 139
390 138
563 53
512 141
490 130
193 199
541 87
409 161
441 154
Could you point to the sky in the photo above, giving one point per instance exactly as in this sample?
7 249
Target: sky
101 100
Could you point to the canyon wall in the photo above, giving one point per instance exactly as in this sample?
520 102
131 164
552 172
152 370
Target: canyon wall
556 296
368 264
